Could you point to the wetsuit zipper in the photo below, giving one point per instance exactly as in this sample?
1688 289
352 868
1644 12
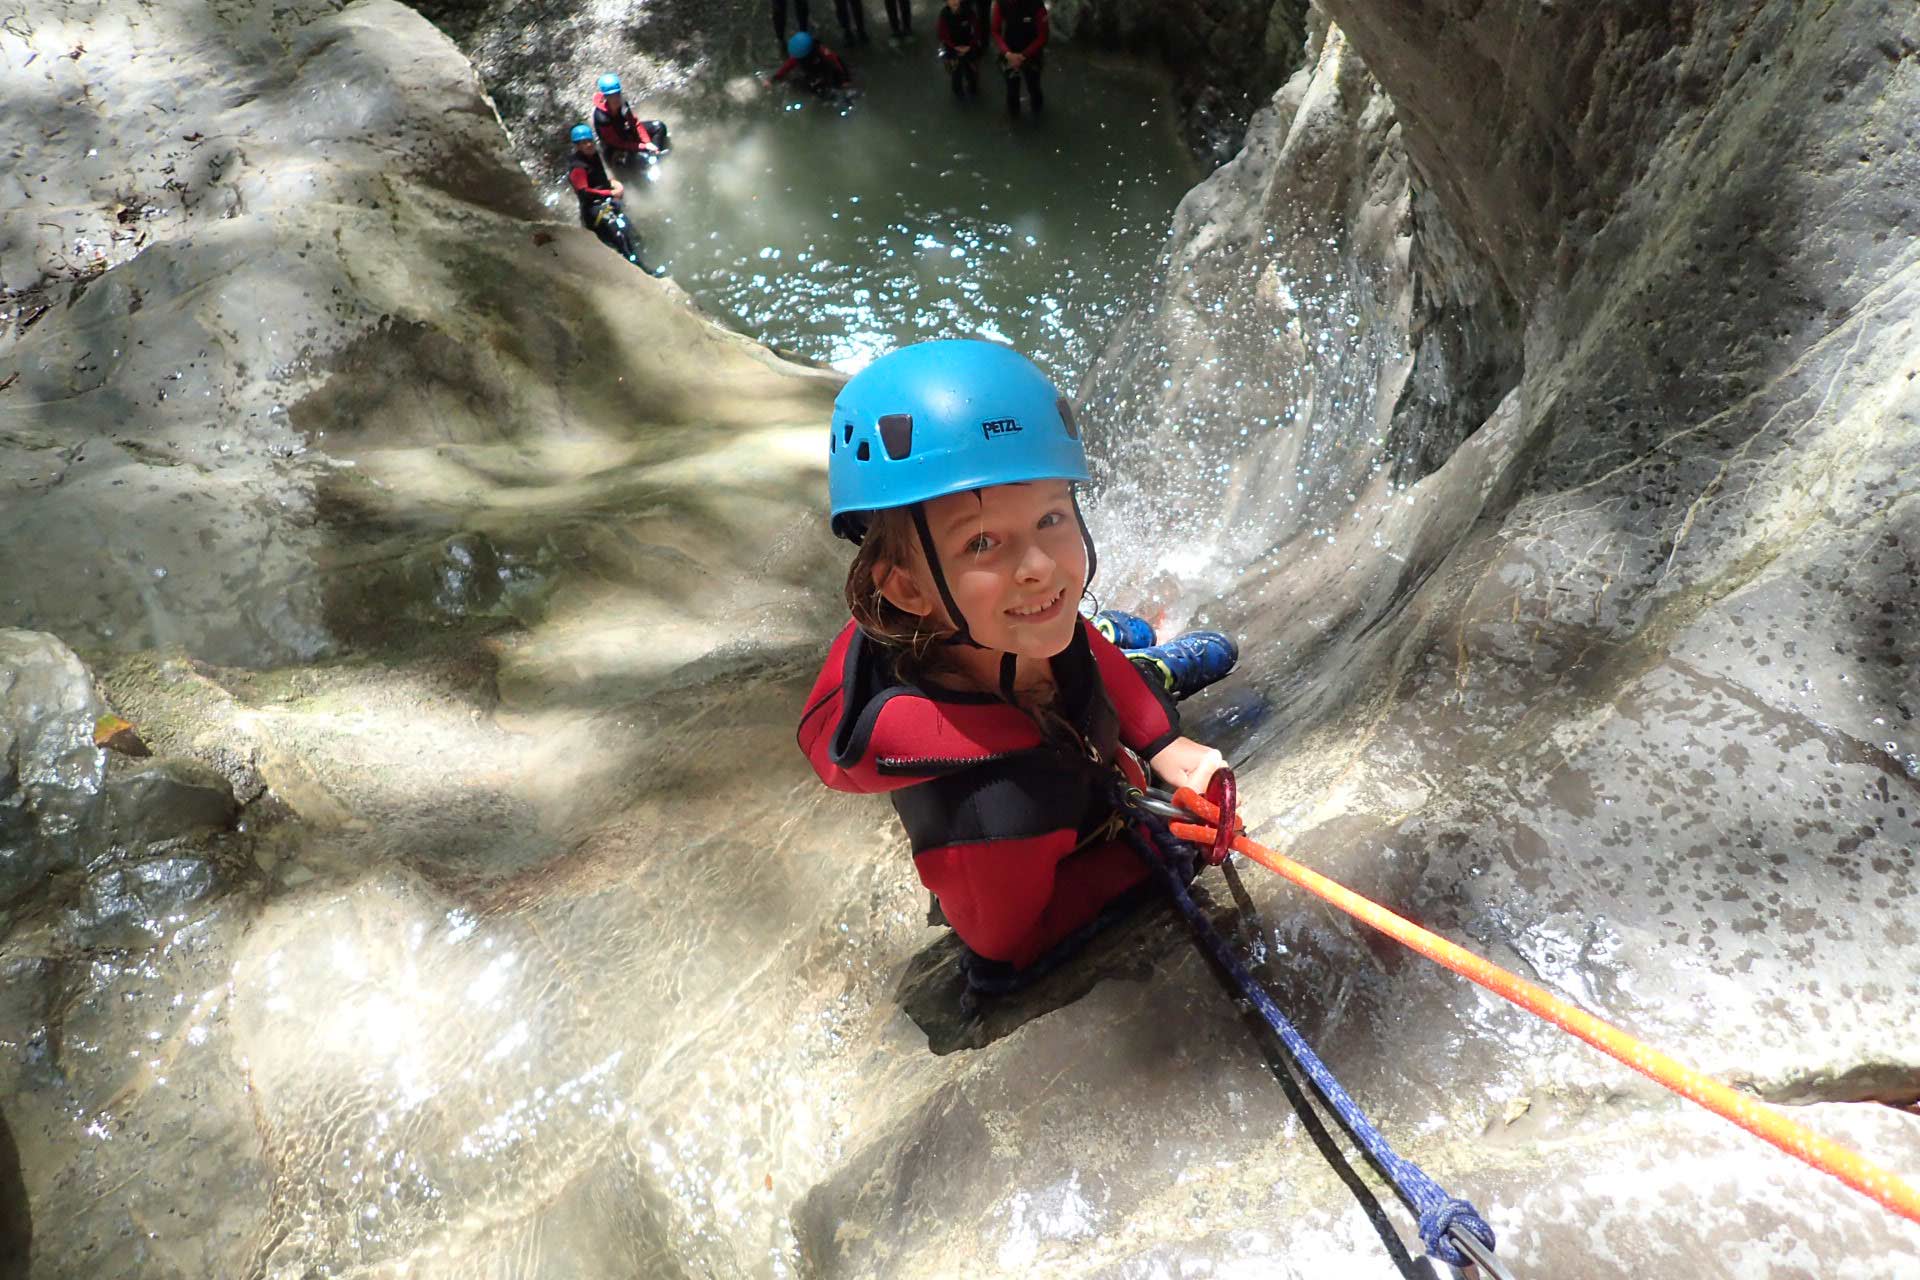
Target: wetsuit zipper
935 764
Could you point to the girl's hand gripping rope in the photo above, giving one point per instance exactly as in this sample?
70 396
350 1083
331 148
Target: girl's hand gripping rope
1186 763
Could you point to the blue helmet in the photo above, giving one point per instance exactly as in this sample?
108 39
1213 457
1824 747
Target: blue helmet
945 417
581 133
799 44
609 83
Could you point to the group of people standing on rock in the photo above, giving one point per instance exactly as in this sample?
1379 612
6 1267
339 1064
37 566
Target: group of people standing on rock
1016 30
618 135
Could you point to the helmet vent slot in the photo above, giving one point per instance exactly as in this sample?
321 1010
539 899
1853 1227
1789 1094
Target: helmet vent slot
865 453
896 434
846 430
1066 418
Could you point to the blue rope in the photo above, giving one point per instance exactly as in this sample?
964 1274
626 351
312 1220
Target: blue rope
1439 1212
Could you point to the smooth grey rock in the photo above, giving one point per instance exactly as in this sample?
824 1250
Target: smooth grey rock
151 415
168 799
138 903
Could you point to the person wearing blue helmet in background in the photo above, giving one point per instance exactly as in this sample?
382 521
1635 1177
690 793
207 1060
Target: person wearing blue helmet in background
820 70
599 194
624 138
967 685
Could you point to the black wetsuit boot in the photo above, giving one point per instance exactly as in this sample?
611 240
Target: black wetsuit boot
1029 71
853 20
956 28
965 73
780 20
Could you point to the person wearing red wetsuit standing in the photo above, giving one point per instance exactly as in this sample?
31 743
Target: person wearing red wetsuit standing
624 137
1020 34
958 27
968 688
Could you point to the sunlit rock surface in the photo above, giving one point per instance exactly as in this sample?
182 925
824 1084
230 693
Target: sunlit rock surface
534 950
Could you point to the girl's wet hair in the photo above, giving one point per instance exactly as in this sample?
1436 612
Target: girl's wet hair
891 541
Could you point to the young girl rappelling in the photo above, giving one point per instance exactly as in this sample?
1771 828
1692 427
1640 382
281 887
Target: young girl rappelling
1004 727
967 685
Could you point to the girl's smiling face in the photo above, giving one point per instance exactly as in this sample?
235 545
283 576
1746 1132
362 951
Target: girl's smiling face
1014 560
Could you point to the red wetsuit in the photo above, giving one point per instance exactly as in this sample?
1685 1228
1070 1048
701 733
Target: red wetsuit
623 132
588 177
956 29
820 70
1004 824
1020 26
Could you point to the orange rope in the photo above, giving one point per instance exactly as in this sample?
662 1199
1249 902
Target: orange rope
1749 1113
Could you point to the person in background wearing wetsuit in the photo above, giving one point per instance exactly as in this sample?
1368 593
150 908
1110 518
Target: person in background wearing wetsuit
1003 725
818 68
853 20
624 137
780 19
1020 34
599 194
900 18
959 30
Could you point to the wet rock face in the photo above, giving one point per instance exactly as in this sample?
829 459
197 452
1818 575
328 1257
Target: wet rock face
68 806
1249 402
167 799
1227 55
51 774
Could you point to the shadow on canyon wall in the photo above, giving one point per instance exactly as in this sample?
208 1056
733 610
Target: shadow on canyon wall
16 1215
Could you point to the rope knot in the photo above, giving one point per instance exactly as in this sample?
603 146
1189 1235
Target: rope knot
1441 1218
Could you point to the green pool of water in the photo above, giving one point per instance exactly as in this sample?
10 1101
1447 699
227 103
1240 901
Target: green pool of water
838 234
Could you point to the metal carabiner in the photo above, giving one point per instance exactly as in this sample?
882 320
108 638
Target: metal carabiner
1161 806
1483 1257
1224 793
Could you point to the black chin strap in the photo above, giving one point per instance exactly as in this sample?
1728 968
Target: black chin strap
1086 536
960 635
1008 662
